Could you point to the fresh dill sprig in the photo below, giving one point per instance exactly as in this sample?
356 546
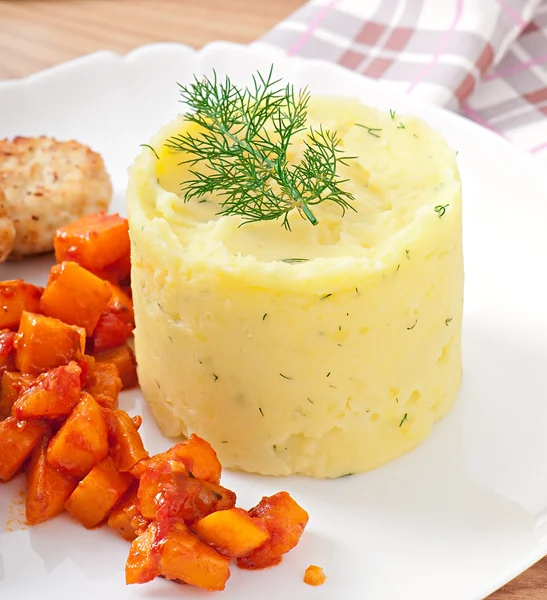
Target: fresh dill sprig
242 148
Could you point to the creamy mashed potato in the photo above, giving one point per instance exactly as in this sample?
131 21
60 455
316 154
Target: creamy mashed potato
323 350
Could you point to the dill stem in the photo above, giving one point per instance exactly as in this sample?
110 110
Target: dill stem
309 214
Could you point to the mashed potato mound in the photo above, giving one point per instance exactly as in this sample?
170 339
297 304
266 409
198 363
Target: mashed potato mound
322 350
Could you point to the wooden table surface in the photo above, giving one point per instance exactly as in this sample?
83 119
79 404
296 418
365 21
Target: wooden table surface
41 33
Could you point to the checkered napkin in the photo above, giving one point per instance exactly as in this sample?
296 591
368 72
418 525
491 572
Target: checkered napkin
484 58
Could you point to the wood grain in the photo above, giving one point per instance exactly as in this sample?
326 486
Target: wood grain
41 33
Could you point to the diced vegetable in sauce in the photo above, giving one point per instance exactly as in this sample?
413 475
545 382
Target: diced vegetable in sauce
82 441
16 297
47 488
75 296
43 343
314 576
232 532
60 422
94 241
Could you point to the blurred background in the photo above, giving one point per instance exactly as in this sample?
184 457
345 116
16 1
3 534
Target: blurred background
41 33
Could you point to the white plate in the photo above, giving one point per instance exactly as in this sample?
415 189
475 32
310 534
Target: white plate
453 520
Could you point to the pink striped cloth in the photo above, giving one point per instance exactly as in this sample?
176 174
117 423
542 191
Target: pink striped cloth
484 58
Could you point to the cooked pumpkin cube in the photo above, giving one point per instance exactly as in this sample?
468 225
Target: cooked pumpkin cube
117 273
82 441
199 457
87 364
93 241
126 519
7 350
43 343
75 296
232 532
13 384
314 575
124 358
185 558
104 384
98 493
126 447
159 486
226 499
111 331
142 563
178 555
285 521
17 440
47 488
121 304
195 453
52 395
167 492
17 296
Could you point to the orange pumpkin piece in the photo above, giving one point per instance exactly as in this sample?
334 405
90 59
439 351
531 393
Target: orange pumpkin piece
195 453
124 359
17 440
93 241
285 521
185 558
98 493
75 296
13 384
7 350
17 296
111 331
126 447
165 492
199 458
104 384
142 563
43 343
87 364
121 305
226 499
232 532
82 440
52 395
314 575
126 519
118 273
47 488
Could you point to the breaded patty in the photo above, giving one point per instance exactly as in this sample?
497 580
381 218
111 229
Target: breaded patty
46 184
